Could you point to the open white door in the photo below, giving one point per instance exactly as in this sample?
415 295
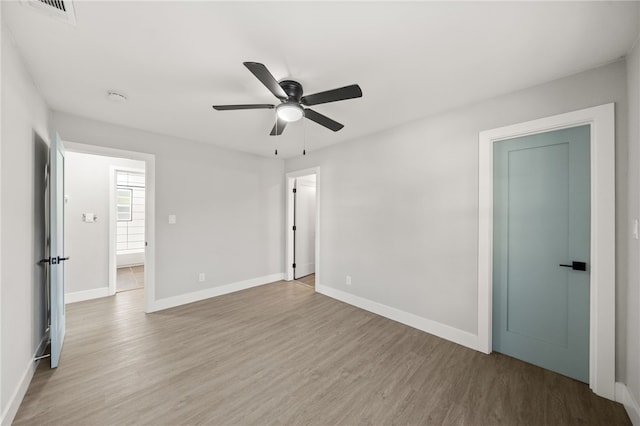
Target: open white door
56 238
304 223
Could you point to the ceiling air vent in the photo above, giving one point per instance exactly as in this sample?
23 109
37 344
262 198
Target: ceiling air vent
61 10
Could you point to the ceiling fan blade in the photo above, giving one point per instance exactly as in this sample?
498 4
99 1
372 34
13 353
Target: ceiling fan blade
278 128
249 106
347 92
322 120
262 73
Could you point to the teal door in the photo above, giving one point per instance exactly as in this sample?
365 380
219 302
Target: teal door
541 227
56 238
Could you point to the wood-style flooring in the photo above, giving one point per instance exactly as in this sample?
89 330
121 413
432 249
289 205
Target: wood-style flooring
309 280
283 354
130 278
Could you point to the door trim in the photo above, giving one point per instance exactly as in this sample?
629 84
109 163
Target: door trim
602 262
290 177
149 213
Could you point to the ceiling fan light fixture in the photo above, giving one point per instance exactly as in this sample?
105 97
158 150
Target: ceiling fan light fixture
289 111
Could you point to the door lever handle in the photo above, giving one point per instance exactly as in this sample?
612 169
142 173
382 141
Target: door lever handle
576 266
54 260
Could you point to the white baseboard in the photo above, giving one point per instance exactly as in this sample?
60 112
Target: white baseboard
80 296
630 403
18 395
447 332
196 296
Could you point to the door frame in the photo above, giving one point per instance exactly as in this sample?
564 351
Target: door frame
113 224
290 178
149 214
601 120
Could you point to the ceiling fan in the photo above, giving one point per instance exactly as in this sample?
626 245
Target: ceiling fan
292 106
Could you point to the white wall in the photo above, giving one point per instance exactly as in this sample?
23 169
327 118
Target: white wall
229 206
87 244
2 36
23 155
633 285
1 138
400 208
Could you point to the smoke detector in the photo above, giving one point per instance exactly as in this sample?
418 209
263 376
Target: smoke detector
61 10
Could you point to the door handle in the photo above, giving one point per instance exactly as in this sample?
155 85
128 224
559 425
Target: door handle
54 260
576 266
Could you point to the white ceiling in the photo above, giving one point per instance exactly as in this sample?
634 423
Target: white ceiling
176 59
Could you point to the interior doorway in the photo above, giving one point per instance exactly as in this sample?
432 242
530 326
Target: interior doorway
109 204
303 227
127 207
601 260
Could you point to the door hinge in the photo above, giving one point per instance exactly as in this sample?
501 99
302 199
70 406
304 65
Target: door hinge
294 227
294 190
294 265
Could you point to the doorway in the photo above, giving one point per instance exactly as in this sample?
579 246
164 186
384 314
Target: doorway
127 210
104 195
601 261
303 227
96 220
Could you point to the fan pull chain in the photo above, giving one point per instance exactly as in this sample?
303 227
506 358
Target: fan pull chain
275 140
304 136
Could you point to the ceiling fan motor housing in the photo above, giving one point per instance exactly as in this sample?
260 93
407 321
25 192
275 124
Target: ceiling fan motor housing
293 89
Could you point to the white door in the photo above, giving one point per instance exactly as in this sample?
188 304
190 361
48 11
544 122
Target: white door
56 238
305 227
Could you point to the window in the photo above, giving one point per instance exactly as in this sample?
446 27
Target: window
125 200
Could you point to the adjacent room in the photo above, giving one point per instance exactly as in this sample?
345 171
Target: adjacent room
323 213
129 201
104 209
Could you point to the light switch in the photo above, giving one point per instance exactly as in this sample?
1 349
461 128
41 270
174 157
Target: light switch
635 229
88 217
172 219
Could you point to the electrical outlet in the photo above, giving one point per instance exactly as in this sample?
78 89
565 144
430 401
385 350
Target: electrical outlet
348 279
635 229
172 219
201 277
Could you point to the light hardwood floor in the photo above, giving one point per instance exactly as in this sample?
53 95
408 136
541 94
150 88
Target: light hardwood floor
309 280
130 278
283 354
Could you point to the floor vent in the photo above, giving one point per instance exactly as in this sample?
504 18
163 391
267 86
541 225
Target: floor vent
61 10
